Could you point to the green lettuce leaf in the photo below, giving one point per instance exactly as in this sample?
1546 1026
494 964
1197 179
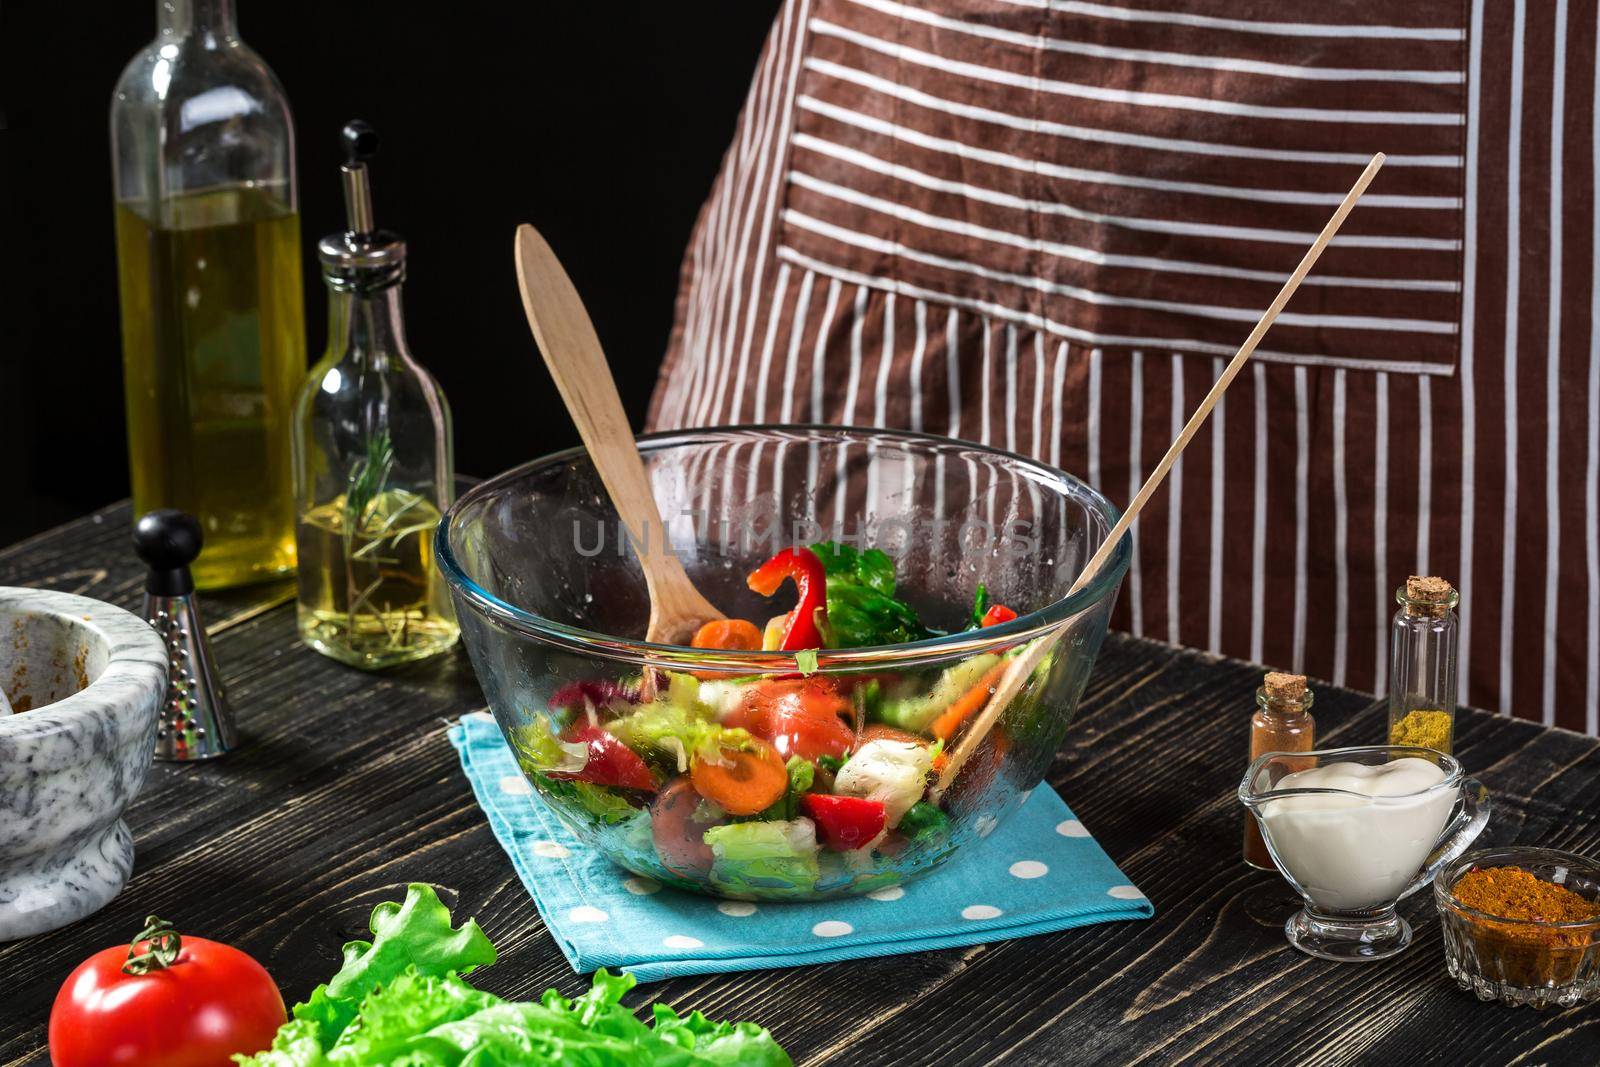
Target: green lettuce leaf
587 798
722 1043
670 735
415 934
750 857
296 1044
862 609
394 1017
415 1011
538 749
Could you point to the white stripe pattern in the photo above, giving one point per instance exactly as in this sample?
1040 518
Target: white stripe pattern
1302 463
1038 322
1508 528
1096 135
1341 537
1178 416
1258 526
1286 29
1552 381
1135 479
1087 296
1219 455
1109 136
1145 55
1380 530
1469 311
852 132
902 53
1591 489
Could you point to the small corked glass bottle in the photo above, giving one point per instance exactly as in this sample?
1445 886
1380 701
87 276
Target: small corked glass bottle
1425 641
1282 723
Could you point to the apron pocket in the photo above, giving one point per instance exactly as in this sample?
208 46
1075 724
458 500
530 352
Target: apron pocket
1140 179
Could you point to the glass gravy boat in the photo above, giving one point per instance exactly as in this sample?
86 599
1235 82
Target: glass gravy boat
1351 856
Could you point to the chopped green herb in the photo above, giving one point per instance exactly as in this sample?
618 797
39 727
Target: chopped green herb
924 823
862 608
980 605
831 764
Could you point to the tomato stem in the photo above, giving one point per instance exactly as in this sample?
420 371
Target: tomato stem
161 944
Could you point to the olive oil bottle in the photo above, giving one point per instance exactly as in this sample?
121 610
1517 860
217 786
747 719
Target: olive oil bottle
373 459
208 256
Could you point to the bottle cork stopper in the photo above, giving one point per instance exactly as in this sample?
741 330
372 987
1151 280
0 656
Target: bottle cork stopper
1428 595
1280 686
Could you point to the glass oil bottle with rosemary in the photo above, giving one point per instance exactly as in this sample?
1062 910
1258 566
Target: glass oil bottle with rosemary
373 461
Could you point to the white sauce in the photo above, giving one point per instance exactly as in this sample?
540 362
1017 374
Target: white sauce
1349 852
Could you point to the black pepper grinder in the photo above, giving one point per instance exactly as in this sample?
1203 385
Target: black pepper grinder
195 722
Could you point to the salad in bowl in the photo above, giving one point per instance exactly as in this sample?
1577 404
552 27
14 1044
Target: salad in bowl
800 748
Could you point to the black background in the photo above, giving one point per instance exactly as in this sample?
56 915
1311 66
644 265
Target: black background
601 123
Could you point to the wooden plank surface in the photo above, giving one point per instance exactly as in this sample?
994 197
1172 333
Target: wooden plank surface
348 789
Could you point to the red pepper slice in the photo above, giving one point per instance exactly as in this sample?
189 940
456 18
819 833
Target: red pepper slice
610 761
802 565
997 615
844 823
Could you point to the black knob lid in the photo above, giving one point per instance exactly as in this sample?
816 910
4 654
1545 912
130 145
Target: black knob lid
360 142
167 541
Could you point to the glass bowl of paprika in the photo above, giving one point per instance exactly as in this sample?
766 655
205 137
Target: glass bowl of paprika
1522 925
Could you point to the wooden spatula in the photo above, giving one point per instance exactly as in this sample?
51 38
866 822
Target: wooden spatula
571 350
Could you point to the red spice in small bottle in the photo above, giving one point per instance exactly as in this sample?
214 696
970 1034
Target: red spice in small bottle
1282 723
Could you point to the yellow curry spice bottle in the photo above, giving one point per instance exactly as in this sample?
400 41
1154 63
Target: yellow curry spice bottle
1425 641
1282 723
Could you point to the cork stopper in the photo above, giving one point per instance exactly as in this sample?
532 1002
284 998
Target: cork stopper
1428 596
1290 688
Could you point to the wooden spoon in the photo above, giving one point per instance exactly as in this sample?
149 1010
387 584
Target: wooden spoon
571 350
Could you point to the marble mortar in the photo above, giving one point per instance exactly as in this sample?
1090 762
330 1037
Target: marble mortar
86 681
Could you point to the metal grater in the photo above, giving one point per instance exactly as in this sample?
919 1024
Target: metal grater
195 722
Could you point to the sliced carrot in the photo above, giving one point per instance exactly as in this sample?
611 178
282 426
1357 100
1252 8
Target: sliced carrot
951 718
744 783
735 634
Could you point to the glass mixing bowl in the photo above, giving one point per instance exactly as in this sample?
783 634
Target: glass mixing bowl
608 727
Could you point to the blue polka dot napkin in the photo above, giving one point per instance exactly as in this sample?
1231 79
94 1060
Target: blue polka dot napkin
1039 871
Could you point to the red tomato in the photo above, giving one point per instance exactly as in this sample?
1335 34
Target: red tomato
680 840
610 761
209 1002
798 717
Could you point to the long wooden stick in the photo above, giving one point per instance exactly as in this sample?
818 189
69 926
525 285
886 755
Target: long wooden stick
1023 665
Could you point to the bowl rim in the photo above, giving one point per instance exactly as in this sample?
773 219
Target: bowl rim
1455 774
931 650
128 690
1445 896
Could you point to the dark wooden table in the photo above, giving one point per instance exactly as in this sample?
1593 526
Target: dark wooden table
348 789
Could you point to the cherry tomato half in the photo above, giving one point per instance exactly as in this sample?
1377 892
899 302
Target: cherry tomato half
610 761
798 717
206 1002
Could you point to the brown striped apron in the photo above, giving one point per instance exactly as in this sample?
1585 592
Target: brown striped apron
1045 224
